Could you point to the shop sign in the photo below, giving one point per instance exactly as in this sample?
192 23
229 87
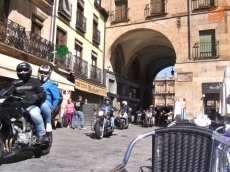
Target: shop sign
87 87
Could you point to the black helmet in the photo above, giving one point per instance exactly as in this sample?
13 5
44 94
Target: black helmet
27 70
108 98
44 73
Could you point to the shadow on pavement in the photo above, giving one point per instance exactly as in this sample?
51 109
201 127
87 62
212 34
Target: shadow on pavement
17 158
93 136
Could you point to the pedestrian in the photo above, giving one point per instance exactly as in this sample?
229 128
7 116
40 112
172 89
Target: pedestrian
79 113
177 109
69 111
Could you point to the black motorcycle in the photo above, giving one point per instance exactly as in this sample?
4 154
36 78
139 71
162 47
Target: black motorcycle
102 123
17 130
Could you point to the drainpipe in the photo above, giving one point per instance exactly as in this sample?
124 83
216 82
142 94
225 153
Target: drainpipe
52 28
189 29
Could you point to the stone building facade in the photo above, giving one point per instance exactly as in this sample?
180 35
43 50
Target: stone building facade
143 38
66 34
164 92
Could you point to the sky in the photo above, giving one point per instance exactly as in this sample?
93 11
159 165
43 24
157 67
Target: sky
166 70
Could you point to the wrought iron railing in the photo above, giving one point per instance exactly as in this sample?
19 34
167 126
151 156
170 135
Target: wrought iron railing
80 66
121 15
96 35
95 73
64 62
206 50
155 9
65 10
15 36
38 46
118 66
81 22
201 4
12 33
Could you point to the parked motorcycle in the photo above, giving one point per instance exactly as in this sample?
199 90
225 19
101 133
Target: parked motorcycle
17 130
148 120
102 124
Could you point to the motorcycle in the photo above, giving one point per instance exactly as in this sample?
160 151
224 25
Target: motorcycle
148 119
17 130
122 120
102 124
139 117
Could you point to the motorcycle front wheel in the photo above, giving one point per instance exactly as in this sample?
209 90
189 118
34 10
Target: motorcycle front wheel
122 124
98 131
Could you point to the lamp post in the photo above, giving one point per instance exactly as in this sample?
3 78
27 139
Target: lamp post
172 71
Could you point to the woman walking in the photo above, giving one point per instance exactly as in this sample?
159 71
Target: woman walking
69 110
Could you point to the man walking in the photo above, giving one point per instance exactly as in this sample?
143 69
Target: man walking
79 112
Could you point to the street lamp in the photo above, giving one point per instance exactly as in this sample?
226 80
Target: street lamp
172 71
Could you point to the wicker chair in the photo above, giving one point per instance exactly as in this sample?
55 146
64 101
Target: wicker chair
184 148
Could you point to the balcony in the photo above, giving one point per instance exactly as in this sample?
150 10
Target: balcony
96 35
203 4
64 62
206 50
119 16
155 9
80 66
44 3
81 22
15 36
65 9
95 73
38 46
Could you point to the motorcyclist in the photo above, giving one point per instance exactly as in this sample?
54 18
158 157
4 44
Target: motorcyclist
33 94
106 107
125 108
153 112
52 95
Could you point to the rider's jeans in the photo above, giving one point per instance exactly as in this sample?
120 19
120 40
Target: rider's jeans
79 114
112 121
35 114
46 107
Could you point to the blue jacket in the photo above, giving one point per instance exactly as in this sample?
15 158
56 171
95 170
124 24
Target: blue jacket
125 108
106 108
52 93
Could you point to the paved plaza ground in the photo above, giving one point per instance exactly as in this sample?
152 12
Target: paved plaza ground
79 151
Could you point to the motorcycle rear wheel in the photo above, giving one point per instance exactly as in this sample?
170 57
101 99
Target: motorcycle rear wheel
122 124
98 131
44 150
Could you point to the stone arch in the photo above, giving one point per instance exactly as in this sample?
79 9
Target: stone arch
145 49
119 34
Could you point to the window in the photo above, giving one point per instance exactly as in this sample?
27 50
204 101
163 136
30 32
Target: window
120 88
61 37
94 59
4 7
65 9
78 48
121 11
37 25
96 32
111 86
157 7
207 43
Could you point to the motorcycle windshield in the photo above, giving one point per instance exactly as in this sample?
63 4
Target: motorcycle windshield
4 88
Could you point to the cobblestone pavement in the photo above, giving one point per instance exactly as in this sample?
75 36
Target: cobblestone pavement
79 151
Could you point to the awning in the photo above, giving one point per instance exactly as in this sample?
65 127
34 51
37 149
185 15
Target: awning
90 88
9 64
